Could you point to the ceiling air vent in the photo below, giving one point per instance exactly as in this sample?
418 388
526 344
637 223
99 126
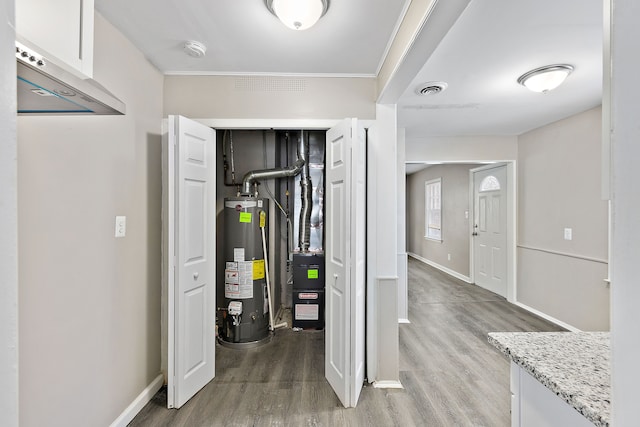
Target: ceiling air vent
430 88
194 49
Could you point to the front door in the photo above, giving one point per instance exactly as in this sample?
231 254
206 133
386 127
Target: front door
490 229
345 260
191 229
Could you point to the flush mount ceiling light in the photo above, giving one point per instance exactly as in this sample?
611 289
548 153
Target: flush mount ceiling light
194 49
545 78
431 88
298 14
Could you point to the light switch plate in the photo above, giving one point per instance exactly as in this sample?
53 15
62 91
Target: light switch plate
121 226
568 234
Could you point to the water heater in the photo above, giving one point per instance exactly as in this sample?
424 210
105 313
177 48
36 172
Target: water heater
245 312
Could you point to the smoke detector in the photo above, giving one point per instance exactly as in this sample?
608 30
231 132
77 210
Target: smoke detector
430 88
194 49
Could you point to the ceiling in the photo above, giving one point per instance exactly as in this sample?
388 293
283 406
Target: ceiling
242 36
491 44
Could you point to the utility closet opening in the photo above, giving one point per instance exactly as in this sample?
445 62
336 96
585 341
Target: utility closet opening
270 237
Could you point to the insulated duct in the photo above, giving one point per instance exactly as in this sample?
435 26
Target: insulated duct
306 189
252 176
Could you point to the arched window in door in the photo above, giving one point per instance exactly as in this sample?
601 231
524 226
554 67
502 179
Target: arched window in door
489 183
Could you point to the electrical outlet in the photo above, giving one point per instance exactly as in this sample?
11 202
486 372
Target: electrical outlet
121 226
568 234
448 257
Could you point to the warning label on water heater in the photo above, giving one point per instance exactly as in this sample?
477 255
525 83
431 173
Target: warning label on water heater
258 269
238 255
238 280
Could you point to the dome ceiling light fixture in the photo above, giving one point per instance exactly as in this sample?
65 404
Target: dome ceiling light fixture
298 14
431 88
545 78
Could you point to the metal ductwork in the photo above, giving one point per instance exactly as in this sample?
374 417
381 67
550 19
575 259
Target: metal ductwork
306 189
252 176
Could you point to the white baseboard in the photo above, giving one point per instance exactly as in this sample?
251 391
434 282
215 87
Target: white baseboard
136 406
441 268
403 321
387 384
547 317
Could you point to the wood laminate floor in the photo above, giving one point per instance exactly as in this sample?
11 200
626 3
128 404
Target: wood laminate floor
451 375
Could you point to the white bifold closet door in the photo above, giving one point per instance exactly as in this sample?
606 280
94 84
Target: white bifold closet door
345 260
191 223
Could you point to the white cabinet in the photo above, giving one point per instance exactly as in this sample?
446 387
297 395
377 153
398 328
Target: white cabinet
534 405
59 28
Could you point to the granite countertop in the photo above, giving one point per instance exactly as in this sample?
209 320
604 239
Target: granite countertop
573 365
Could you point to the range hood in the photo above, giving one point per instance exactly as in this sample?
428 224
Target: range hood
46 88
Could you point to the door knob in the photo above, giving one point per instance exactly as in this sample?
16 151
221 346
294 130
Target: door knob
195 275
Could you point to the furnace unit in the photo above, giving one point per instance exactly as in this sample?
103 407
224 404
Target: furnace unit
308 262
308 291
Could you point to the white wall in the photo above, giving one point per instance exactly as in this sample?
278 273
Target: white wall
559 187
403 273
461 148
382 249
264 97
90 303
455 227
625 93
8 222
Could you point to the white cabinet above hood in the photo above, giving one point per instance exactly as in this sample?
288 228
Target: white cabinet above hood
54 53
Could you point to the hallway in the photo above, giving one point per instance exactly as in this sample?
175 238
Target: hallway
451 375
